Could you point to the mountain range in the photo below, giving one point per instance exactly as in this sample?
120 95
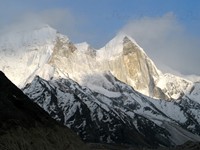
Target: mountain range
115 94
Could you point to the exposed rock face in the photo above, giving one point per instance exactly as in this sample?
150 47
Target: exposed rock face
139 68
125 59
63 47
24 125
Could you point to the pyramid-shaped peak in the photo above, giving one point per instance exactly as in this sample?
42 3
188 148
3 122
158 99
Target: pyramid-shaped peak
115 47
119 40
126 39
121 37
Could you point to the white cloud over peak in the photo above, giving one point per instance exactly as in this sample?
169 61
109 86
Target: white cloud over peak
63 20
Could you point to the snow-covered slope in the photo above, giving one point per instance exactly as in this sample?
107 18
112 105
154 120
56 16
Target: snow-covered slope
173 86
112 112
194 92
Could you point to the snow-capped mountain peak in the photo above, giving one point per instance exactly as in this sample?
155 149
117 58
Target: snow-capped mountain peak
45 52
114 47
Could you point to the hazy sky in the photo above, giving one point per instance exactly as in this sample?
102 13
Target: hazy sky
168 30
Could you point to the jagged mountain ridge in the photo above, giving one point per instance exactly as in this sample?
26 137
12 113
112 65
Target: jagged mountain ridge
116 114
53 56
24 125
45 52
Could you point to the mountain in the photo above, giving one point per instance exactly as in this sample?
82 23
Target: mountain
45 52
116 113
24 125
115 94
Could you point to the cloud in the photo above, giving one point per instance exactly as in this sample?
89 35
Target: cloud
63 20
167 43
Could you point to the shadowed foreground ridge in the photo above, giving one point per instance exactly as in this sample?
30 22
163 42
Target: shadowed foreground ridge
24 125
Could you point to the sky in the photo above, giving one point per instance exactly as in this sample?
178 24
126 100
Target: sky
167 30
